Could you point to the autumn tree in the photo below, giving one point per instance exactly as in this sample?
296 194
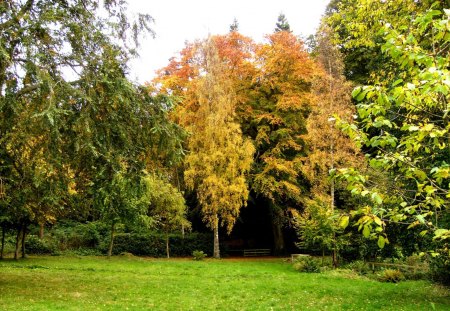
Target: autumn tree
328 147
219 157
272 83
282 101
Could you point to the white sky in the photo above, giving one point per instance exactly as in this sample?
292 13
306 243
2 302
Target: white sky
177 21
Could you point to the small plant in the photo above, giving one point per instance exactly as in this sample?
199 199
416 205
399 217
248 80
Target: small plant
392 276
358 266
414 260
307 264
198 255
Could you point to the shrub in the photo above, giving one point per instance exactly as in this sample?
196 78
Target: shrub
307 264
71 235
154 244
359 267
198 255
34 245
440 269
392 276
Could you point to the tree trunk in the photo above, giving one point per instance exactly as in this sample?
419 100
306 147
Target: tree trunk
335 261
278 238
16 251
111 240
167 245
216 253
24 234
3 241
41 231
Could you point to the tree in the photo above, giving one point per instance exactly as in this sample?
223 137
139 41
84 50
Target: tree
272 83
219 157
234 26
357 27
328 147
72 126
318 227
409 115
282 100
166 206
282 24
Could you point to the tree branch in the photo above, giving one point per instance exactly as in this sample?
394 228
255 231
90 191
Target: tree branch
15 19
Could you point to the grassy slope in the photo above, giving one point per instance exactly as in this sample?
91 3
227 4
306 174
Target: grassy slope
88 283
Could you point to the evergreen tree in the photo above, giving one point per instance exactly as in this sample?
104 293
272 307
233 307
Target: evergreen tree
234 26
282 24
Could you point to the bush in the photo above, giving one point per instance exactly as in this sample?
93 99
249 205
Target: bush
392 276
198 255
359 267
154 244
68 235
34 245
307 264
440 269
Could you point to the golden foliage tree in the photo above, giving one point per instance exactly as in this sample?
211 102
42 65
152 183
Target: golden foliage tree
219 157
282 103
328 148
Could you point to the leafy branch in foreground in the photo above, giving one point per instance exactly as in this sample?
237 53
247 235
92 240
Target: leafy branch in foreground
404 123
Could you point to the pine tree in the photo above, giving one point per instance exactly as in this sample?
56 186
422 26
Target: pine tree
282 24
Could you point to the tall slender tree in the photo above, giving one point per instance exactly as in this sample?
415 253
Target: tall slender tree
219 157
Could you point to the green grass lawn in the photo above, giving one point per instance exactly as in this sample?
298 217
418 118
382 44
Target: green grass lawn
96 283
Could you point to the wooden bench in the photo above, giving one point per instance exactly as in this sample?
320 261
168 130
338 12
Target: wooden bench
257 252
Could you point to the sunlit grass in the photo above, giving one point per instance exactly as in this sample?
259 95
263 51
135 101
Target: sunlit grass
90 283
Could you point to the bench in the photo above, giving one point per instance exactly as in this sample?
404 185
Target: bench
257 252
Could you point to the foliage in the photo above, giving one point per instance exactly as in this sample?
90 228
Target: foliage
35 245
272 86
282 23
440 269
75 235
165 203
318 228
154 244
307 264
74 130
219 157
357 25
328 149
391 276
47 50
198 255
410 118
358 266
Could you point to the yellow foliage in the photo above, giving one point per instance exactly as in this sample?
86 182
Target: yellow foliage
219 157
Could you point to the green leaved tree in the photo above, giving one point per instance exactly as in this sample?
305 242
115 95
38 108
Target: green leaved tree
405 125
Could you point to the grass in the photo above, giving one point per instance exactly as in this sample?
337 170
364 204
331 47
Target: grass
121 283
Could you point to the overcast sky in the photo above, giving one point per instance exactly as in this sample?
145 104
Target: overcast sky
177 21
